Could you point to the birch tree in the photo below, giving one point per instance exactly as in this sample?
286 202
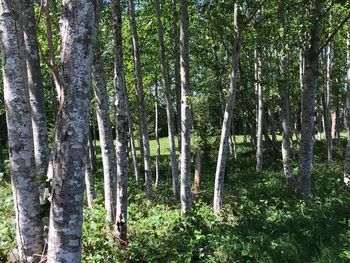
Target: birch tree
29 231
71 135
185 192
347 117
168 101
40 137
228 116
141 101
308 99
121 126
103 122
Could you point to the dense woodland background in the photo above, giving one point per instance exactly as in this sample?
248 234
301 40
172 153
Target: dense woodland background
175 131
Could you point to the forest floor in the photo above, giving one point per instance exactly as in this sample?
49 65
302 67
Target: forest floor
263 219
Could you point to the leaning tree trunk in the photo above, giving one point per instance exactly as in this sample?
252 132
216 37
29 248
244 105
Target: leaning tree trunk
185 109
29 231
121 126
308 101
103 122
347 119
168 102
259 113
141 101
71 135
228 116
40 137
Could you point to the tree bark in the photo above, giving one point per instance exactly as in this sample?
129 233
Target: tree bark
103 122
89 183
259 113
326 101
168 102
228 116
40 137
121 128
185 192
177 77
156 133
71 135
29 232
347 118
141 101
197 170
308 100
286 135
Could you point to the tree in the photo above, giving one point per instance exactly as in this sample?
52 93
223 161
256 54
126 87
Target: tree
141 101
308 99
121 127
40 137
168 101
228 116
347 117
29 231
104 126
71 132
185 192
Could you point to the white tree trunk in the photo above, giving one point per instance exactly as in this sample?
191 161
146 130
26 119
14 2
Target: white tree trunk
29 232
185 192
104 126
326 101
121 126
168 102
71 135
308 101
156 133
259 113
197 170
141 101
347 119
89 183
228 116
40 137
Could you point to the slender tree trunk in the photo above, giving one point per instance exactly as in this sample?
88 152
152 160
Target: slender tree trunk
326 101
197 170
40 137
156 133
141 102
260 111
89 183
122 126
71 135
132 142
286 136
308 100
272 123
91 149
347 118
168 102
228 116
29 232
177 77
103 122
185 109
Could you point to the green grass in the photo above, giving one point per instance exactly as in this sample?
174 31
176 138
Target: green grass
263 219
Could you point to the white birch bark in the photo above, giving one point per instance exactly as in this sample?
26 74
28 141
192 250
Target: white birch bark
326 101
89 183
308 100
156 132
40 136
259 113
121 126
168 101
141 101
228 116
347 118
29 232
185 191
71 135
104 126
